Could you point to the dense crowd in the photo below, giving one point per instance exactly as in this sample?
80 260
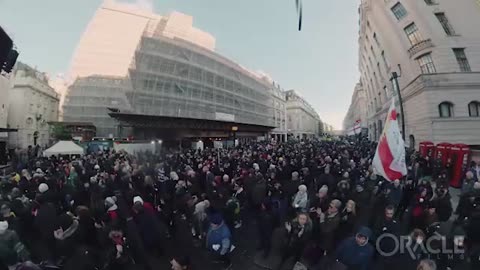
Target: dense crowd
318 203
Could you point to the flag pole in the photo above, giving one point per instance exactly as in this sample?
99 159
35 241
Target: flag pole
400 100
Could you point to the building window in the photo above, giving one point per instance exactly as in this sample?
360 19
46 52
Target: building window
399 11
413 34
426 64
462 60
385 89
445 109
430 2
474 109
385 63
376 39
445 23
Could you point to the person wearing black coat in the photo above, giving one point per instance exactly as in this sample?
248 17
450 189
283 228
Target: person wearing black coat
67 236
44 223
348 220
444 204
266 224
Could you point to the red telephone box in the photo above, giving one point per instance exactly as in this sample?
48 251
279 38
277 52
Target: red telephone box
427 149
460 155
443 152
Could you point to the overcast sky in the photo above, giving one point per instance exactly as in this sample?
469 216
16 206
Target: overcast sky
320 62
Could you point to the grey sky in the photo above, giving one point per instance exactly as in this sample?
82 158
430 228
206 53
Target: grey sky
320 62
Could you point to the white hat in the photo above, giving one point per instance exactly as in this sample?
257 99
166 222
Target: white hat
42 188
137 199
110 201
39 170
323 189
174 176
226 177
3 226
476 185
96 167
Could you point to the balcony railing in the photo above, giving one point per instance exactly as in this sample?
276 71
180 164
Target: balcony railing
422 45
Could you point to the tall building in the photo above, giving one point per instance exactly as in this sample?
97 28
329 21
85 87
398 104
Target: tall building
356 118
165 81
434 46
302 120
108 44
279 113
32 105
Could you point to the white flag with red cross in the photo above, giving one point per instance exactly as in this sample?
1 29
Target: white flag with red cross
389 160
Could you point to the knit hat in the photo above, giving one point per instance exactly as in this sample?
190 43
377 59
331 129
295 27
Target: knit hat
3 226
42 188
476 185
110 201
137 199
337 203
39 171
96 167
302 188
323 189
174 176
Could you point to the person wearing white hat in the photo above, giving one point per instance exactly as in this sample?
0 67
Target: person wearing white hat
42 188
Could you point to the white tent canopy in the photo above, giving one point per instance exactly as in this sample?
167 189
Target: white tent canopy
63 148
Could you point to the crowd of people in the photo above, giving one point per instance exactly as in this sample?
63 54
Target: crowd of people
318 203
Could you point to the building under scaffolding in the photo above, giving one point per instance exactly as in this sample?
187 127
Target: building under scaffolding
174 88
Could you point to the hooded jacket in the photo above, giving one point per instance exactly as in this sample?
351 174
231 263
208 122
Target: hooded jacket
354 256
219 239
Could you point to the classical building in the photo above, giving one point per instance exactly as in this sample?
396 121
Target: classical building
302 120
164 80
433 47
32 104
356 118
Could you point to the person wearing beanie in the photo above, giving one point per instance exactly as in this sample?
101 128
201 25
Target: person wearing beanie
356 252
42 188
12 251
219 239
112 208
301 198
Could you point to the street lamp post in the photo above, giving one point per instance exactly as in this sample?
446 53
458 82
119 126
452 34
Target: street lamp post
396 86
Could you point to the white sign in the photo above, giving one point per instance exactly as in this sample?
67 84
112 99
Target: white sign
224 117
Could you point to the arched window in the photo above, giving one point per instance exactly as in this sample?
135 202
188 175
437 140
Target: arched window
445 109
474 109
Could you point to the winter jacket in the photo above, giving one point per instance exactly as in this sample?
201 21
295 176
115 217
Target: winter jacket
395 195
46 220
354 256
444 208
328 229
219 239
69 240
11 249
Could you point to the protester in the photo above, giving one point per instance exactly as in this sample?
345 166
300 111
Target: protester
219 240
356 252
